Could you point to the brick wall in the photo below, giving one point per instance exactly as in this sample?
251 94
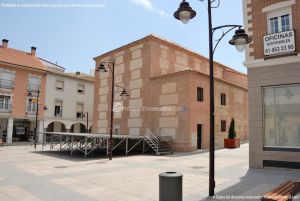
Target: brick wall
157 73
257 24
259 77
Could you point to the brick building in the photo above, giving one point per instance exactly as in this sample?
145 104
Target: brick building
22 75
160 74
62 101
274 82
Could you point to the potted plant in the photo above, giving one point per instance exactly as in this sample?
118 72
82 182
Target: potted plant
232 141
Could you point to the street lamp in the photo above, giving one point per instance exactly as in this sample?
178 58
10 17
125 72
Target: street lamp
240 40
86 114
36 115
45 109
103 69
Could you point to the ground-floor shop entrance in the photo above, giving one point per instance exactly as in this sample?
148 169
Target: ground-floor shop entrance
21 130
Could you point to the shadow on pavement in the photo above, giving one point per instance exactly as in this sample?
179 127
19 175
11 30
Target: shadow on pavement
202 151
78 156
256 183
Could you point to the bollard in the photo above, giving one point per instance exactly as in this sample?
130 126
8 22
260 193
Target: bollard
170 186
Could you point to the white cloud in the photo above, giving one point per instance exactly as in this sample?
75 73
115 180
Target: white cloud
148 5
163 13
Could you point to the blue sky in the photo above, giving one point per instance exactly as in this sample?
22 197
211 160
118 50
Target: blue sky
72 37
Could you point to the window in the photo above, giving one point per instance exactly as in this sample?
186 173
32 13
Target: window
80 88
280 24
223 126
279 21
117 129
32 105
6 80
281 119
285 22
34 83
58 108
59 85
79 110
4 103
223 99
274 25
199 94
279 16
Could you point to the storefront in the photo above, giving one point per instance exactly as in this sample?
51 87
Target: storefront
21 130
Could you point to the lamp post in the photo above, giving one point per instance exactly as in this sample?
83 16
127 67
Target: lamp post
36 116
86 114
240 39
45 109
103 69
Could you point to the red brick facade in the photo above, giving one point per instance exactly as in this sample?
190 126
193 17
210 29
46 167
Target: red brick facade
257 23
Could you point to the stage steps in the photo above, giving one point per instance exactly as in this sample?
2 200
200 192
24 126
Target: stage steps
159 144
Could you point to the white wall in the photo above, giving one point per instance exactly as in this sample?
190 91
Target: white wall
70 97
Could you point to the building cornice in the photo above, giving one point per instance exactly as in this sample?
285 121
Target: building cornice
166 42
186 71
92 79
272 62
278 6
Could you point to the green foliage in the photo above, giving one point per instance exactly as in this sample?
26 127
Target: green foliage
231 132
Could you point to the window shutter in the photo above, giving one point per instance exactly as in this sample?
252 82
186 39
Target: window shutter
79 107
59 84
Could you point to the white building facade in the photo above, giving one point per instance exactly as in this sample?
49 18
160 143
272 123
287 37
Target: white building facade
68 101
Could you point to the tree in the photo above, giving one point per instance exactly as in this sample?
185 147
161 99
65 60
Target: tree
231 132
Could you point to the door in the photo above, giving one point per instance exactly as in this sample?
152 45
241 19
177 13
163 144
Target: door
199 136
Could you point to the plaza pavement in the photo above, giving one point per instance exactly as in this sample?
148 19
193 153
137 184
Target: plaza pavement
26 175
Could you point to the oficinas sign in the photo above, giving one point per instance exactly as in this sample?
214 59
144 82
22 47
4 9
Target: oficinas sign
279 43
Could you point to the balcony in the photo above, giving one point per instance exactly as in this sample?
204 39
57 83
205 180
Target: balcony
58 113
31 112
6 84
33 87
79 115
5 108
31 107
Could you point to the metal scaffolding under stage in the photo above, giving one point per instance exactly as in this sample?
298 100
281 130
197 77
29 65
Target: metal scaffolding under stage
89 142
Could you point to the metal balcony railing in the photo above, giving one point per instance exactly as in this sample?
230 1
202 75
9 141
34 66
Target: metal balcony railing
6 84
31 112
5 108
58 113
33 87
31 108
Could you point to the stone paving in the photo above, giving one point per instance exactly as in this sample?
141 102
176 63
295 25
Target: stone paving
26 175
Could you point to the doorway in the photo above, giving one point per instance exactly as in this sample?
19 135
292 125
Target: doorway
199 136
21 130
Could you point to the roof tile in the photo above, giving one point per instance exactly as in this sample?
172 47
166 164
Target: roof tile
17 57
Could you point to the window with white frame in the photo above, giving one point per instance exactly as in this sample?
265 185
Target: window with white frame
32 105
274 24
4 103
285 23
80 88
280 23
58 108
59 84
79 110
34 83
6 79
279 19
